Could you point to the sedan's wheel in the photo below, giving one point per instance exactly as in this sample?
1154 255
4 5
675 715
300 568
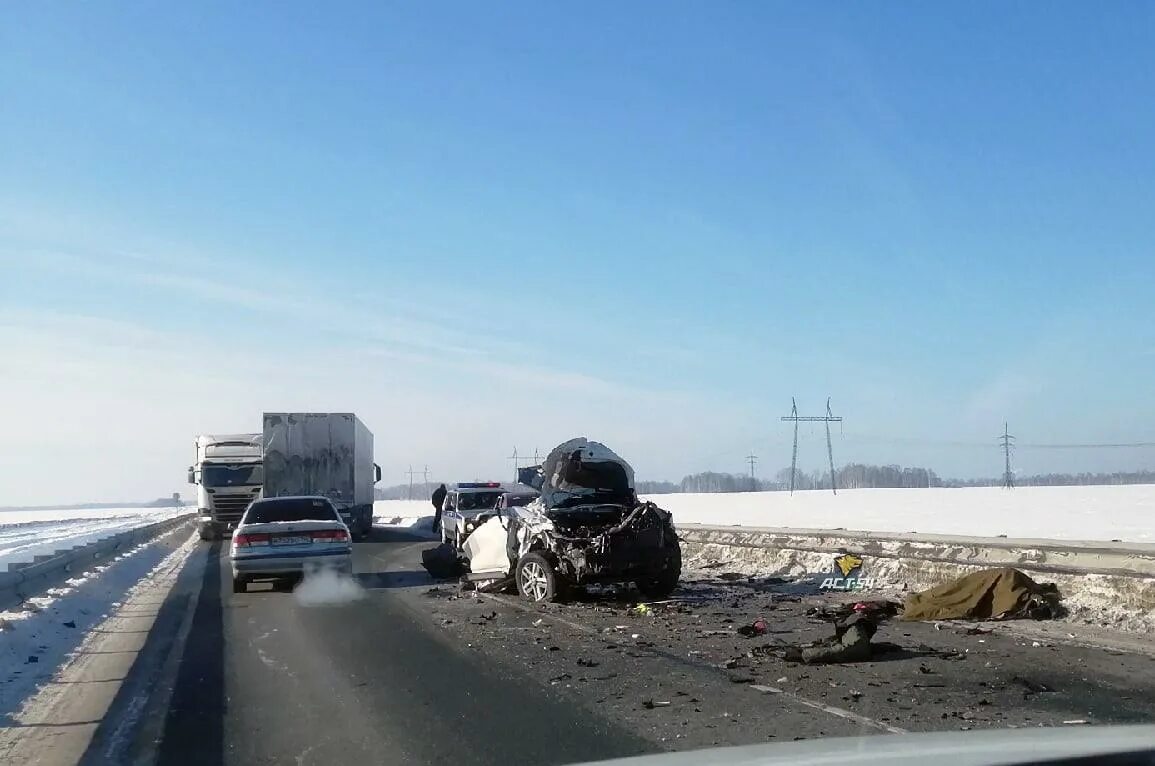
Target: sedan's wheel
537 580
240 585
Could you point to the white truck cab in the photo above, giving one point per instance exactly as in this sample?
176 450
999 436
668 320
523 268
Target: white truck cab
229 474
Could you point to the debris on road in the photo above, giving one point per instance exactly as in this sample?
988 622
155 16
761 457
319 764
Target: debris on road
756 628
1032 687
850 643
498 585
441 562
651 704
989 594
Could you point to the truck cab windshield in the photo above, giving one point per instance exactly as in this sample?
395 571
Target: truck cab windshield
231 475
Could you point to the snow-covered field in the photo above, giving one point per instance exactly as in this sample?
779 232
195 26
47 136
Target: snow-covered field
26 534
1105 513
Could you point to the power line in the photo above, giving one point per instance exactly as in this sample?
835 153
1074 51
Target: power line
516 464
1127 445
828 418
410 472
1007 442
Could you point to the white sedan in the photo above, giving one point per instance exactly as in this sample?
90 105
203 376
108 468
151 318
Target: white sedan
286 536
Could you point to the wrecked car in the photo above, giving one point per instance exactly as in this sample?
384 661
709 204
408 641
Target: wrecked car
587 526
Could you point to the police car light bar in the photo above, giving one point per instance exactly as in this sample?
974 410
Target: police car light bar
478 485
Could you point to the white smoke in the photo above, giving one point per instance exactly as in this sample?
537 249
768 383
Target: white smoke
327 587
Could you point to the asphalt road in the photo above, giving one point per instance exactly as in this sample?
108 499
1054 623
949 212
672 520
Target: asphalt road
415 673
263 679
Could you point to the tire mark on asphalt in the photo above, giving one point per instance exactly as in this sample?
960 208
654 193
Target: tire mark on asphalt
830 709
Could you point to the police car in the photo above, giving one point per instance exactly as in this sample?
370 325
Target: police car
467 502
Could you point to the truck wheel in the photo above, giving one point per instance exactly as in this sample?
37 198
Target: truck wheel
666 581
240 585
537 579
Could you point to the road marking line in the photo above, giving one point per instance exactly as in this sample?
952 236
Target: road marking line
830 709
835 711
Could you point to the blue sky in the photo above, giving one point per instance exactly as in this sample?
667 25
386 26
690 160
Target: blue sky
489 225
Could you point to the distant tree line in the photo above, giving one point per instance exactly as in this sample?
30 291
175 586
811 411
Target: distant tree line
849 476
1060 480
863 476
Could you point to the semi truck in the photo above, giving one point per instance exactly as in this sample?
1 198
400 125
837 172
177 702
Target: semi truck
322 453
228 475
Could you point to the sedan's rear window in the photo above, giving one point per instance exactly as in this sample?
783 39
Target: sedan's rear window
266 511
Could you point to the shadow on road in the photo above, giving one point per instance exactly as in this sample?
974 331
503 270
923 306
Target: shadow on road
399 535
194 727
385 580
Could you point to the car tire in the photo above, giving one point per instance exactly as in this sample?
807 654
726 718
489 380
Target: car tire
664 583
538 579
240 584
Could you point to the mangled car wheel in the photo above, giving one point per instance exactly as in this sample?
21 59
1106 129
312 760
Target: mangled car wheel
537 579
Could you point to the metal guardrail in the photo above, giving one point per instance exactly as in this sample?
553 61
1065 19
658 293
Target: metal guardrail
25 580
1135 560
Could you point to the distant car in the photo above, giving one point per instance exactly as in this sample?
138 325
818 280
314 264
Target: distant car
286 536
469 503
516 499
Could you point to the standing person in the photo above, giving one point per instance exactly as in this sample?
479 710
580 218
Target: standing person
438 498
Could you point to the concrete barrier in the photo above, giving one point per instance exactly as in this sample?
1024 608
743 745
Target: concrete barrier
1106 583
27 579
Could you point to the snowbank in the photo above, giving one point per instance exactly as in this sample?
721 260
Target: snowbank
414 516
45 631
27 534
1104 513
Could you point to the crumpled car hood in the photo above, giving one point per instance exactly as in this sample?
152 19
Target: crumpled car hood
583 468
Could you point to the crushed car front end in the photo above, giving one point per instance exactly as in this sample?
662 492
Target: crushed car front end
586 527
611 543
